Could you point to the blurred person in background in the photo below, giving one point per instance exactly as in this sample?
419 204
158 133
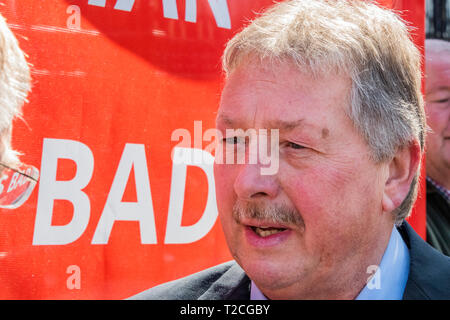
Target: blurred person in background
437 107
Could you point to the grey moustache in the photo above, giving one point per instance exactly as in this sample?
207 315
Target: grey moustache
277 213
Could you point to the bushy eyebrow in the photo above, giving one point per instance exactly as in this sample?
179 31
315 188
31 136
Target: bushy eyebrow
282 125
273 124
285 125
222 118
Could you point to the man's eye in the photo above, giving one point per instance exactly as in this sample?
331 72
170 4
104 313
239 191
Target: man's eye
442 100
233 140
295 146
439 98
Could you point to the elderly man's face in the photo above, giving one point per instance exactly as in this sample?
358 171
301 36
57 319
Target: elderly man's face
327 193
438 113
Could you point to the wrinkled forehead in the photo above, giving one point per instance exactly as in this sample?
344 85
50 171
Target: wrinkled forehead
436 46
282 75
316 68
437 54
437 69
281 93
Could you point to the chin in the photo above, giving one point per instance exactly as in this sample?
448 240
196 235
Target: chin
269 274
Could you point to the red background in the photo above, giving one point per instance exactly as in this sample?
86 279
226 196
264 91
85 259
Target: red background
124 77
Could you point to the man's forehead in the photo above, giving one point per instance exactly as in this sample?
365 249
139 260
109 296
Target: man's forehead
284 98
225 121
438 60
437 54
437 46
262 72
280 78
438 72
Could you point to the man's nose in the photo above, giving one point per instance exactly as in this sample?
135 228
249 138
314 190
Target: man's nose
250 184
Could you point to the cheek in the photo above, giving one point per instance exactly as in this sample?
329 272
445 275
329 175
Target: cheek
335 214
330 197
437 120
224 177
434 142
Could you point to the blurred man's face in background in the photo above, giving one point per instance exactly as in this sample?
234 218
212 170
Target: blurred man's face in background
437 98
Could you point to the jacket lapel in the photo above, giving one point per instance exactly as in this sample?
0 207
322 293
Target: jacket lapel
232 285
429 270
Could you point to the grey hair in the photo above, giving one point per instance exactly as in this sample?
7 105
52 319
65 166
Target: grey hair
14 88
370 44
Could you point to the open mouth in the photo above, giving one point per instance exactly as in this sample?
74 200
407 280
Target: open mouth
265 232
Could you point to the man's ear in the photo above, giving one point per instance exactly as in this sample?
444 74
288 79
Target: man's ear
402 169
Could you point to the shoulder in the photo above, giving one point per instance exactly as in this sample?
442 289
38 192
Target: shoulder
224 281
429 274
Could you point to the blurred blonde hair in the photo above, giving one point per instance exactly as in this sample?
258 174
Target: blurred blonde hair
14 87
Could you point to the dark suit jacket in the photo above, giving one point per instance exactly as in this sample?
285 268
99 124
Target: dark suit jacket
429 277
438 220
